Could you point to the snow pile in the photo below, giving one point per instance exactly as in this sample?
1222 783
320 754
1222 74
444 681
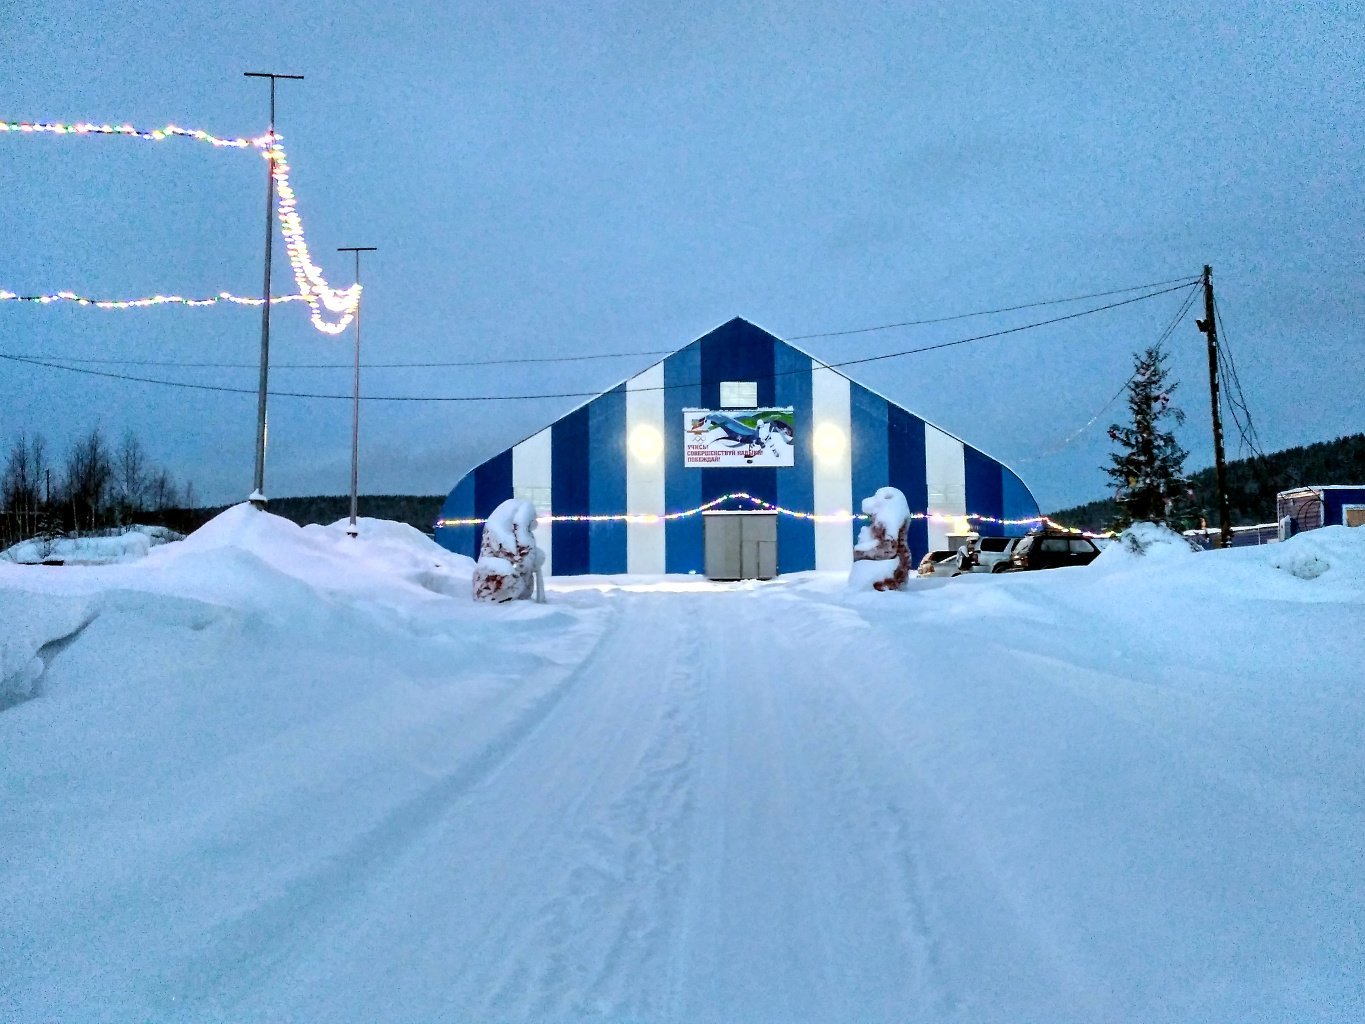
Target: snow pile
268 775
1150 542
388 562
1339 550
881 556
508 556
111 550
27 642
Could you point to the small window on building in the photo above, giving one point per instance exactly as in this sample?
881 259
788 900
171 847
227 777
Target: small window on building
1353 515
738 394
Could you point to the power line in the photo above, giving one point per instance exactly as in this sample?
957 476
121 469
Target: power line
575 394
1165 334
338 366
579 358
989 312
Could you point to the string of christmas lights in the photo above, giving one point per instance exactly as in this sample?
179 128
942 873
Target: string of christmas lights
767 506
128 131
312 285
313 288
151 300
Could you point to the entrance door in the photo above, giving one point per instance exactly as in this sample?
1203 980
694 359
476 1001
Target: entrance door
741 545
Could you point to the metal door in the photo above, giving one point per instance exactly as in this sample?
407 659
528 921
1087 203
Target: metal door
740 545
758 539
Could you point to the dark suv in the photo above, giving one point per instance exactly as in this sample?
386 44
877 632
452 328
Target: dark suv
1045 550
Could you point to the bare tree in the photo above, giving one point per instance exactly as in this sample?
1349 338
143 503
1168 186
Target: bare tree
21 488
131 473
161 492
89 474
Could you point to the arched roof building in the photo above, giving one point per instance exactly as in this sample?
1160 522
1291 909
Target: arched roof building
626 474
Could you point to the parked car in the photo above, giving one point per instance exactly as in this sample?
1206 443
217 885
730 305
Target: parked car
1045 550
993 553
939 563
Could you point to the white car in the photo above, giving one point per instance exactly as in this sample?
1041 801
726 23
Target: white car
939 563
993 553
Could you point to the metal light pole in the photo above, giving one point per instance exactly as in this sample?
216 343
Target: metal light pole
257 497
352 530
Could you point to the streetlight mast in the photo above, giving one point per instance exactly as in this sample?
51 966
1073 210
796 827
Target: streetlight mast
353 530
257 497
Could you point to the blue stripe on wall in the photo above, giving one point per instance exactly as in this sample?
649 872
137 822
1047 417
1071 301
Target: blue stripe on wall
607 480
459 504
737 351
871 469
588 463
1017 503
795 486
682 487
907 471
569 495
985 494
492 486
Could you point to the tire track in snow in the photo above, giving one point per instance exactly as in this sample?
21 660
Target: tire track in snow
855 770
610 930
263 938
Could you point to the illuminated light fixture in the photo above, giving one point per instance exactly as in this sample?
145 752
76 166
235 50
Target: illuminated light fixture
323 300
829 442
151 300
646 443
767 506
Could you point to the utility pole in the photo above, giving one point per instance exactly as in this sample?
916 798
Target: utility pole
353 530
1209 325
257 497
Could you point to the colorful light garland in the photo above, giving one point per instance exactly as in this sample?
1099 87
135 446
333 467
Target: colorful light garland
313 287
128 131
151 300
767 506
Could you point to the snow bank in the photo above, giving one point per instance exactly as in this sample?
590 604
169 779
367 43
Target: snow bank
111 550
1335 550
384 557
1151 542
241 793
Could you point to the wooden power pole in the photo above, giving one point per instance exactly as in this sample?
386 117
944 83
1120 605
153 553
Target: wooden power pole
1209 325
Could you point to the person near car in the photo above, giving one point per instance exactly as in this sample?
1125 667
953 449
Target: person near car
966 555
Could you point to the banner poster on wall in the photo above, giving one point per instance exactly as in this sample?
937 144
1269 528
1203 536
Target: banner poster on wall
714 438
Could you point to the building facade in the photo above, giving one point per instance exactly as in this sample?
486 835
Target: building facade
1309 508
738 411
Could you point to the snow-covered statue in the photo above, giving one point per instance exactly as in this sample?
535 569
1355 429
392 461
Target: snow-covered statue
881 558
508 557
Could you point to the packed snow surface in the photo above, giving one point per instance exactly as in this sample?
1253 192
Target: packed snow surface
274 773
131 544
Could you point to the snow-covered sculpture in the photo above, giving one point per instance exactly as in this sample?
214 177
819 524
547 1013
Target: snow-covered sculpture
881 558
508 557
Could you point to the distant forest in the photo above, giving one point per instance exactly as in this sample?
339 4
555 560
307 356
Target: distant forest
417 510
1252 483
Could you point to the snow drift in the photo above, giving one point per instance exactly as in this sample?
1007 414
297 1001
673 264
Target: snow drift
273 773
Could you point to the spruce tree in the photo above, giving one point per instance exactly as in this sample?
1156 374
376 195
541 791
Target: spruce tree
1148 466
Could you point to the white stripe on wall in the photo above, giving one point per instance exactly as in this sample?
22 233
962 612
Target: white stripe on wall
531 482
645 475
946 472
833 466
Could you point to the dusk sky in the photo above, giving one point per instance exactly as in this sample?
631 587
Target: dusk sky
574 179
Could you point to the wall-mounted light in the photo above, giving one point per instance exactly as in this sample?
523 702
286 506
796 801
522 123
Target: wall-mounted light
830 442
646 443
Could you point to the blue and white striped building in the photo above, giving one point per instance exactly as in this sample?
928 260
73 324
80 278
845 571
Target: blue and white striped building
622 453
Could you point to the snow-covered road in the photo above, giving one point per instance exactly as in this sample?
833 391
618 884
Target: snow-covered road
1056 797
